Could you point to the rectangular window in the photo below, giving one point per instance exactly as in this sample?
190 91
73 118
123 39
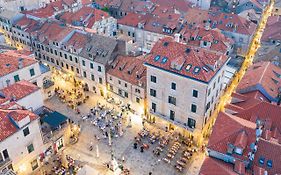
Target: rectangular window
91 65
100 80
70 57
25 131
92 77
172 115
99 68
137 99
120 92
153 79
193 108
191 123
172 100
209 91
195 93
30 148
16 78
126 94
125 84
83 63
208 106
173 86
5 154
1 158
65 56
76 60
84 74
153 92
153 106
32 72
137 90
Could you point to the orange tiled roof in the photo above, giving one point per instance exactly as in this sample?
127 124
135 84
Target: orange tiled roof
213 166
269 78
9 62
269 151
134 65
52 31
77 41
218 41
197 63
17 91
7 127
232 23
272 29
231 129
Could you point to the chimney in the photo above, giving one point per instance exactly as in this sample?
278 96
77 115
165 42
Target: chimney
20 63
177 37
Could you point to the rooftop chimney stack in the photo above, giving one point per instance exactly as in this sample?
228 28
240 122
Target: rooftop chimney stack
20 63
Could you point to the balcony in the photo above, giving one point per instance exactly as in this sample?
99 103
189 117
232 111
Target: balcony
4 164
53 135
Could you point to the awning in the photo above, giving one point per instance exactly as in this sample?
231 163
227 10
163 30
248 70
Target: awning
54 119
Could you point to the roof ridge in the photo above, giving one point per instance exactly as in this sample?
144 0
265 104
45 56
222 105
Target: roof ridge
265 69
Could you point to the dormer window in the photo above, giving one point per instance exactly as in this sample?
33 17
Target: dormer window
205 43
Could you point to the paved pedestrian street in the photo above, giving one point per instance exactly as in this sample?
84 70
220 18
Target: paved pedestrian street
94 150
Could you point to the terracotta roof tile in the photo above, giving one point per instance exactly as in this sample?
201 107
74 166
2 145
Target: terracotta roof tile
193 36
229 129
263 111
270 152
122 65
213 166
17 91
269 80
199 64
9 62
272 29
232 23
77 41
7 127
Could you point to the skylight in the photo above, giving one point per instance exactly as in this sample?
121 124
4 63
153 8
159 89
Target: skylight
157 58
165 44
188 67
164 60
196 70
269 163
205 69
187 50
261 160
